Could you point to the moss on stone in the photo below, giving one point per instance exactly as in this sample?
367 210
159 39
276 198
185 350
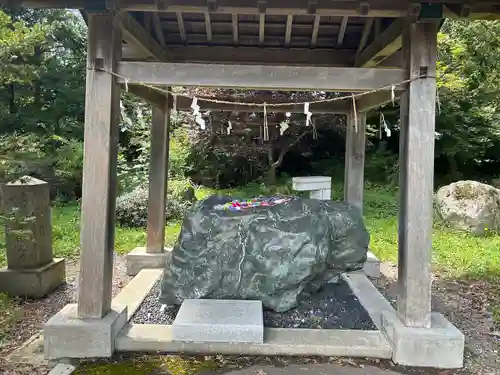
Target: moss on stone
171 364
467 191
128 367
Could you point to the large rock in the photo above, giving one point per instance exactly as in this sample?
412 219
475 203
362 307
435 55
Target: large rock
470 206
268 253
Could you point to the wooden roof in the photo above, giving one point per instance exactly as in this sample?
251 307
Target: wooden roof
296 32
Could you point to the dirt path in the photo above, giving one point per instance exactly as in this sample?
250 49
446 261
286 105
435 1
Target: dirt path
36 312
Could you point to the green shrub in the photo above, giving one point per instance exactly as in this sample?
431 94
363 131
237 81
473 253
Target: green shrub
54 159
132 208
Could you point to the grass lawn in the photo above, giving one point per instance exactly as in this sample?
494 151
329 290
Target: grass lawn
455 255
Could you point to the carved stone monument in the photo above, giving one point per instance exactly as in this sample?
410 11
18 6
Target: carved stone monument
31 270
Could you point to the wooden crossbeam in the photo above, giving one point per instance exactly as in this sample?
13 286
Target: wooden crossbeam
251 55
149 95
260 76
339 107
375 100
382 47
134 33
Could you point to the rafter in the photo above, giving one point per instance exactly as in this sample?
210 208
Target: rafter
134 33
366 33
288 31
158 29
182 29
262 23
208 26
382 47
343 27
234 21
314 37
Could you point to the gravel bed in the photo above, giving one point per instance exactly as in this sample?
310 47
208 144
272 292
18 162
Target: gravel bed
334 307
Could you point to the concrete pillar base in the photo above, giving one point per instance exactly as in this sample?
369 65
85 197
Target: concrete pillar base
67 336
441 346
372 266
138 260
33 283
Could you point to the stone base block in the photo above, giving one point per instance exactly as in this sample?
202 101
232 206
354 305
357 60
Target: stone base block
66 336
441 346
372 266
231 321
138 260
322 195
33 283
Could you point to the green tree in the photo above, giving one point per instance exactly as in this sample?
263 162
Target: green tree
468 83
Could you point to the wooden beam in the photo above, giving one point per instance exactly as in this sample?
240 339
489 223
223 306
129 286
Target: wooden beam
135 34
288 31
252 55
314 36
260 76
102 105
158 178
343 26
379 8
208 26
262 25
149 95
375 100
377 27
384 46
355 159
182 29
234 20
158 29
418 112
339 107
366 33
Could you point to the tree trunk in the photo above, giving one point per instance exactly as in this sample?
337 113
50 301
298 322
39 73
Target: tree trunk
454 173
12 99
271 175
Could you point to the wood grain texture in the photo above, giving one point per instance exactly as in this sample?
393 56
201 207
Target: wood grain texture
383 46
355 160
418 111
134 33
158 178
250 55
260 76
149 95
99 169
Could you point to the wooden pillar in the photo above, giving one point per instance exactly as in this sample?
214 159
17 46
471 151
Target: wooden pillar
416 163
158 179
102 103
355 159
